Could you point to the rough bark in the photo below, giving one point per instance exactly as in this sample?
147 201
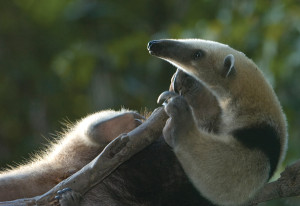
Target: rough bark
288 185
125 146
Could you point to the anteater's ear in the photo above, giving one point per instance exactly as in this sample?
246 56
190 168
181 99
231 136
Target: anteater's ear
228 66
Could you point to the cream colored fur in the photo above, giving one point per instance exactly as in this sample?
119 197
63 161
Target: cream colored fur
221 168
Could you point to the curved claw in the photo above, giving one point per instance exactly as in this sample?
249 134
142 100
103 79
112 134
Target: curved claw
60 192
165 96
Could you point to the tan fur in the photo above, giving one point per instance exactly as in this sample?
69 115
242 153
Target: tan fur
221 168
78 146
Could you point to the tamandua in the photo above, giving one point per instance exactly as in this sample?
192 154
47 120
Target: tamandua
228 166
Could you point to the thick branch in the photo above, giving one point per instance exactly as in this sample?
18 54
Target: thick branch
288 185
125 146
115 153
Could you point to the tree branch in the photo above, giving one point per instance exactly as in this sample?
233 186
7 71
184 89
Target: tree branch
114 154
125 146
288 185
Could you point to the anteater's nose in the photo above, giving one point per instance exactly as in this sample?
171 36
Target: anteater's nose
153 46
151 43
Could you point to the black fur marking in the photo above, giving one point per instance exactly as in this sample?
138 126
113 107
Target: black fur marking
262 137
152 177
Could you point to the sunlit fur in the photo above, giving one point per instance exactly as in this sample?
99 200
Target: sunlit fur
68 154
228 167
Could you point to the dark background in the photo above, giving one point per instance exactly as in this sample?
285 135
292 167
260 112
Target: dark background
61 60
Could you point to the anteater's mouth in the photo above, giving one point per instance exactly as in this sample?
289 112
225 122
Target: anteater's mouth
154 47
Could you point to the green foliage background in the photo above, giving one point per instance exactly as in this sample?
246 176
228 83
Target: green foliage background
63 59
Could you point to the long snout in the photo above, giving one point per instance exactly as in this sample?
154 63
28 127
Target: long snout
164 47
154 47
174 51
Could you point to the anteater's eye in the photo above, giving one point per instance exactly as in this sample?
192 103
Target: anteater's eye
198 54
